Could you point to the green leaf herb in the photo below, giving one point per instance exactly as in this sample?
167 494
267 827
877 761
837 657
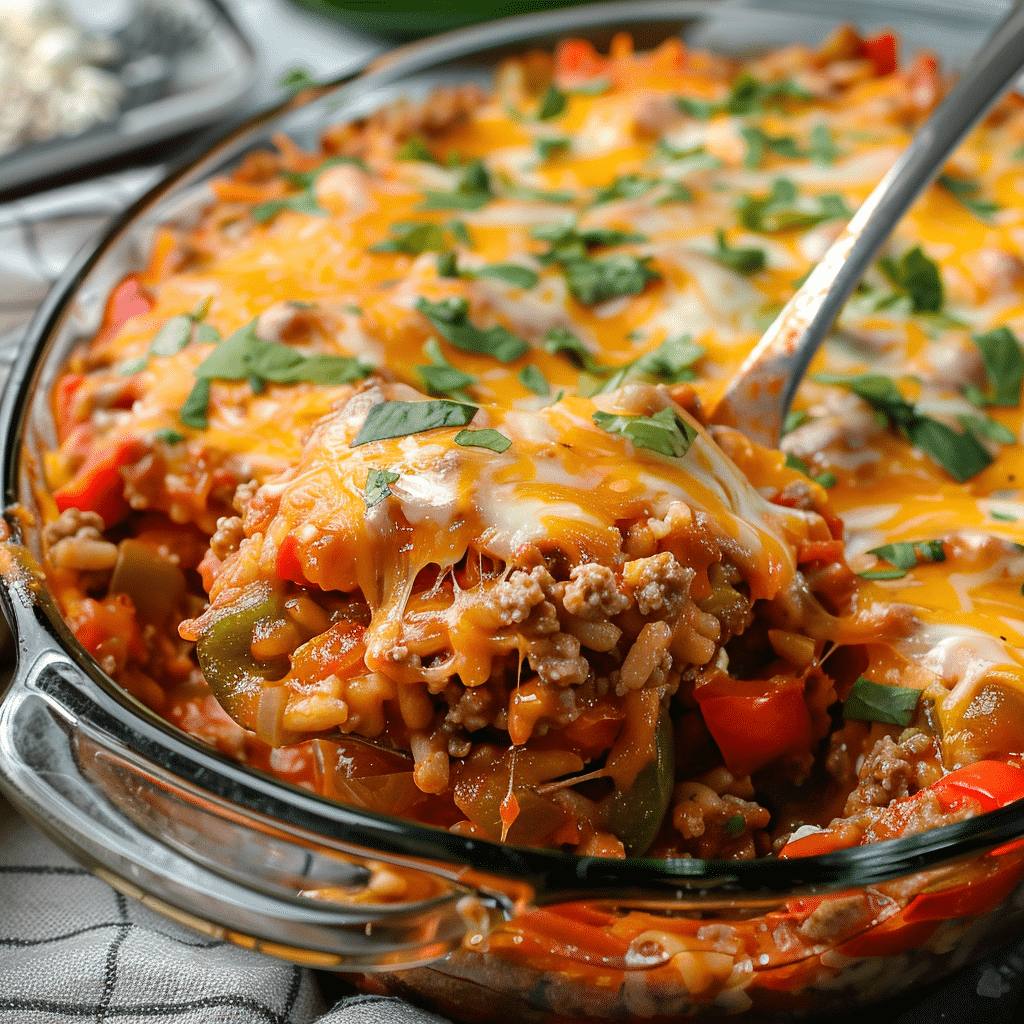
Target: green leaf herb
473 191
794 418
460 233
747 95
174 335
532 378
193 412
439 377
412 238
875 702
916 276
486 438
304 201
377 489
169 436
552 103
825 479
296 79
450 318
509 273
759 143
693 158
822 149
961 455
570 242
742 259
783 209
1002 517
670 363
665 432
1004 367
626 186
549 147
988 428
735 826
676 192
593 280
904 555
965 191
559 341
399 419
414 148
595 87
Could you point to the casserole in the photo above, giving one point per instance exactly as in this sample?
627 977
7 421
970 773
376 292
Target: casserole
175 792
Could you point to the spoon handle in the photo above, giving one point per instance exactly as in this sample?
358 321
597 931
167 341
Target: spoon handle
759 394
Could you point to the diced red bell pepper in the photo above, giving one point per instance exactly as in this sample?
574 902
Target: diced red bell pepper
127 300
98 485
882 51
287 564
755 721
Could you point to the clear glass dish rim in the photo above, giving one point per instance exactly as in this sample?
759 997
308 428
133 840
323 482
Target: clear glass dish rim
554 875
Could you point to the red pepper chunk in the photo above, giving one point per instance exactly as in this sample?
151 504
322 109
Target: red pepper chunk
882 52
98 485
755 721
287 564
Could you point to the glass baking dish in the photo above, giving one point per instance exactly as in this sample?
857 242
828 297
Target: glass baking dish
242 856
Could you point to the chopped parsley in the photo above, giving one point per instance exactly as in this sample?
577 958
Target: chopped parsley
414 148
670 363
915 276
559 341
783 209
665 432
552 103
965 191
904 555
440 378
742 259
472 191
377 488
593 280
876 702
625 186
532 378
303 201
412 238
509 273
1004 367
748 95
490 438
695 158
759 143
450 318
399 419
568 242
824 479
549 147
961 455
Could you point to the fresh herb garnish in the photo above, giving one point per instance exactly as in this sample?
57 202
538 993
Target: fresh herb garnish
439 377
450 318
552 103
670 363
794 418
676 192
665 432
695 158
822 149
548 147
559 341
742 259
486 438
532 378
904 555
747 95
759 143
965 191
916 276
961 455
569 242
473 191
510 273
594 87
1004 367
174 335
783 209
1002 517
824 479
303 201
593 280
377 488
296 79
988 428
876 702
414 148
625 186
194 411
399 419
412 238
169 436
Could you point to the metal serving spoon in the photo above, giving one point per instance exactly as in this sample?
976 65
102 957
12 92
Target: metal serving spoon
759 394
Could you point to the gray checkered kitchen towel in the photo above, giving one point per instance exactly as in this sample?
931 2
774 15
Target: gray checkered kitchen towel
72 949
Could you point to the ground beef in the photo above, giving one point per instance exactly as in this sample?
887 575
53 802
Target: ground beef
715 818
228 536
836 919
556 659
660 584
593 593
892 770
515 598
